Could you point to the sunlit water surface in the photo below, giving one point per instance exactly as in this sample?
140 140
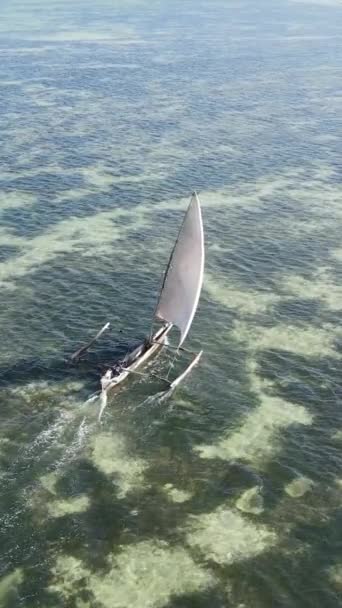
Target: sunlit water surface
228 493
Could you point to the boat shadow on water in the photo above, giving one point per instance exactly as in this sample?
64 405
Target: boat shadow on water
86 370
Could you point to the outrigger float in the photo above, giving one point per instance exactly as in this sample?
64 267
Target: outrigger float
176 305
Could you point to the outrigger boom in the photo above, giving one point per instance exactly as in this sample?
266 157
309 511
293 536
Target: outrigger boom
180 348
131 371
86 347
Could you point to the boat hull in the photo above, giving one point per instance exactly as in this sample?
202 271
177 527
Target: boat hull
139 359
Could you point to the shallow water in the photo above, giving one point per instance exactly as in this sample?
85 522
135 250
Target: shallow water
228 492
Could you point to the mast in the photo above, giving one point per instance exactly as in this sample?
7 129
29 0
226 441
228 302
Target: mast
166 273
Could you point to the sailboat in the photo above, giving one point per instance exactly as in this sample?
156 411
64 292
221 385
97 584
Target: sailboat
176 305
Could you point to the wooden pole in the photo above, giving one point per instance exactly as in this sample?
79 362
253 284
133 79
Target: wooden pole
132 371
185 350
84 348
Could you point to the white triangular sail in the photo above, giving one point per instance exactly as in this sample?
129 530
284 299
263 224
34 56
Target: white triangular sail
184 275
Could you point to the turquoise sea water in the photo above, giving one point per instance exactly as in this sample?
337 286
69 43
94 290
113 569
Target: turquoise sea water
228 493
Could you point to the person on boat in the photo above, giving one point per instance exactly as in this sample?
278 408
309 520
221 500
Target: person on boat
147 343
118 367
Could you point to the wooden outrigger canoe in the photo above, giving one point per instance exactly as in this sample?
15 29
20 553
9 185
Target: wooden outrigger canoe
177 304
